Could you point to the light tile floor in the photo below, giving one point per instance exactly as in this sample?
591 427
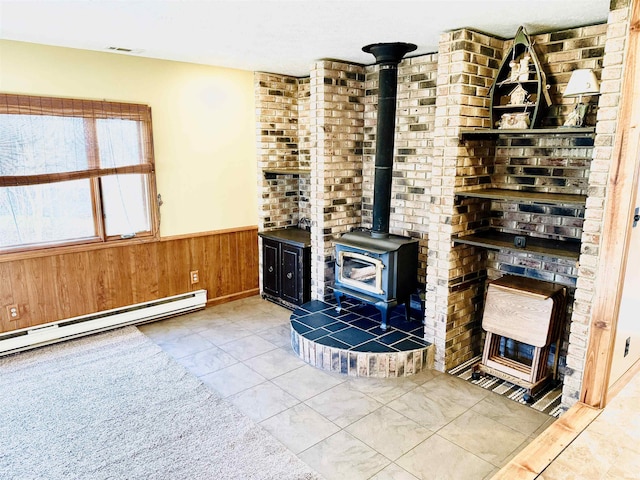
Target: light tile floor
429 425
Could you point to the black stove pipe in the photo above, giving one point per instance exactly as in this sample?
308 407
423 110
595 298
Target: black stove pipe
388 55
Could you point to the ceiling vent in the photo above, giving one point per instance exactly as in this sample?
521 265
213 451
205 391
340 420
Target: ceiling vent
124 50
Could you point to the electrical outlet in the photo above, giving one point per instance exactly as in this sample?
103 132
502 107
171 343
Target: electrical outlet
195 278
13 312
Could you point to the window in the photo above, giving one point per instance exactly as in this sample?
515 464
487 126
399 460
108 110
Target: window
74 171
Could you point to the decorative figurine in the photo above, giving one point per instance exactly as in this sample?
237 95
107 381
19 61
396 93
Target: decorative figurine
515 71
577 116
518 96
523 74
514 121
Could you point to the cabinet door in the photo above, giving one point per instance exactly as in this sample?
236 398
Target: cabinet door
291 274
271 267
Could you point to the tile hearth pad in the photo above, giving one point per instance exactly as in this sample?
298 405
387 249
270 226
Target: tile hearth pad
350 341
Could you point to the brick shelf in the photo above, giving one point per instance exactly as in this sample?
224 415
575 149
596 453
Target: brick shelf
270 173
525 196
483 133
535 245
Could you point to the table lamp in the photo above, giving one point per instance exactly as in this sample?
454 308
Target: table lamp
582 82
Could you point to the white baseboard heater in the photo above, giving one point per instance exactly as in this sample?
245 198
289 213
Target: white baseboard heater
47 333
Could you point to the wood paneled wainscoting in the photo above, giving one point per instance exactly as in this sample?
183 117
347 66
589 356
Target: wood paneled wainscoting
56 286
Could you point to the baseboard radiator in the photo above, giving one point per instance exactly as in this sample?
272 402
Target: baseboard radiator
17 340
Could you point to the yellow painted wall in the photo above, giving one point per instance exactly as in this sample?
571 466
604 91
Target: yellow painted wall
203 124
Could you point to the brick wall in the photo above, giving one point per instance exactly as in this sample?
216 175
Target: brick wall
560 165
328 122
336 138
415 116
468 64
549 164
304 146
282 124
277 116
562 52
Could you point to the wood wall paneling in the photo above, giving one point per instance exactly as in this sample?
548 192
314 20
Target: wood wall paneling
19 288
70 284
146 280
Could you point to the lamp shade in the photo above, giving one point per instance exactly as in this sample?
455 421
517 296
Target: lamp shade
582 82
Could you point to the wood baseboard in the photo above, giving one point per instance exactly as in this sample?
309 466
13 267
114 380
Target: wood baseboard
234 296
622 381
539 454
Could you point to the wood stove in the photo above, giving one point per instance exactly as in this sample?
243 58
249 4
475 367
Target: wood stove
373 266
381 272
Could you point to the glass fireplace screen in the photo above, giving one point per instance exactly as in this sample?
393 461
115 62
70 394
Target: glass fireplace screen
360 271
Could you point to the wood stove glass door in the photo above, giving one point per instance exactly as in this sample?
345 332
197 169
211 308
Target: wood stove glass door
360 271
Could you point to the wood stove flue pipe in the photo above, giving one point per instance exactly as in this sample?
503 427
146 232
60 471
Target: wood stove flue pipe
388 55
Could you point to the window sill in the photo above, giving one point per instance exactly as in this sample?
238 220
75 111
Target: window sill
81 247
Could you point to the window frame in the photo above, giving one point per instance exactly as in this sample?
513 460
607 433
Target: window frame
90 111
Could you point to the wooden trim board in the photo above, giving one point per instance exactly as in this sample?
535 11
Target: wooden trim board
539 454
234 296
223 231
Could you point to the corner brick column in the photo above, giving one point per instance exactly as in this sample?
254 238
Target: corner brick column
335 131
304 147
467 64
610 89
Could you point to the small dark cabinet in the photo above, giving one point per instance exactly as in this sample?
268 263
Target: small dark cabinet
286 266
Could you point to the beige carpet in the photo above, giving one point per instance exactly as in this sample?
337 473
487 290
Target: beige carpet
115 406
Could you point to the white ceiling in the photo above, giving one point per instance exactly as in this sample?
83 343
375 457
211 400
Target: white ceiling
281 36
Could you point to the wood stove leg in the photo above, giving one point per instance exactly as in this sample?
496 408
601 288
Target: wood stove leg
339 297
384 313
407 309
